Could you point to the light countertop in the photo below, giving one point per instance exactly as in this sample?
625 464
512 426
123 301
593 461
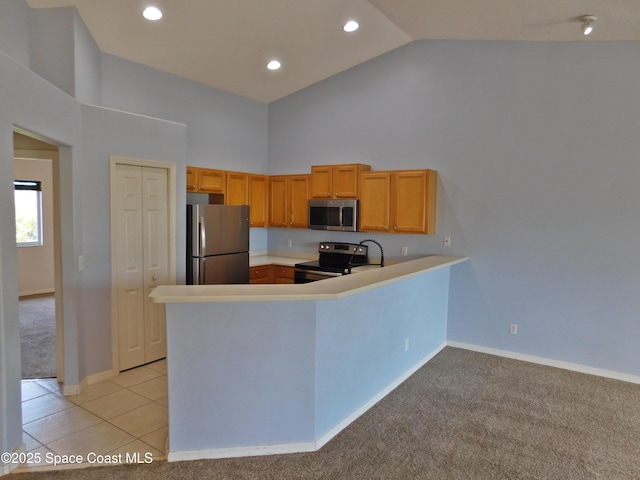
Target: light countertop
368 278
258 260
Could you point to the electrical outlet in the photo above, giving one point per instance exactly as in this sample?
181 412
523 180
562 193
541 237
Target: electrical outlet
406 344
447 241
289 243
80 263
513 328
405 250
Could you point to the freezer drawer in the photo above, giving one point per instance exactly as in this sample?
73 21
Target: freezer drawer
221 269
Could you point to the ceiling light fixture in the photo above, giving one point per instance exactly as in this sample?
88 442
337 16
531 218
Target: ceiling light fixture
351 26
152 13
274 65
587 23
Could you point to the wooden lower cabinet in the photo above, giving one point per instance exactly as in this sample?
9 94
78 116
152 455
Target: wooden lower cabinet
282 274
261 274
271 274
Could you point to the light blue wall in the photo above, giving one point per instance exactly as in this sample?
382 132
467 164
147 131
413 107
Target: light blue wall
107 132
223 130
14 29
27 100
51 42
285 374
360 341
536 145
87 64
241 374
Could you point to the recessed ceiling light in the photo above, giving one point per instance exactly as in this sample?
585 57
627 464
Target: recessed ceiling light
152 13
274 65
351 26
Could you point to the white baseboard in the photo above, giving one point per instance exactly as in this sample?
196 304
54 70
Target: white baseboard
252 451
89 380
383 393
36 292
550 362
214 453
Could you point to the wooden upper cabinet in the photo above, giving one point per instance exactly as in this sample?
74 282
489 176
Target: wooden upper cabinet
402 201
375 196
211 181
237 189
192 179
413 201
336 181
258 198
288 201
298 191
278 201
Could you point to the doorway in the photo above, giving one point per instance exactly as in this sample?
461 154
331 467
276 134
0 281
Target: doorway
142 257
37 240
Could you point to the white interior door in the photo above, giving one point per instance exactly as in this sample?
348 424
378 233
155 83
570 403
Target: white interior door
142 259
155 258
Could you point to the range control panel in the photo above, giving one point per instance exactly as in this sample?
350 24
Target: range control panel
343 248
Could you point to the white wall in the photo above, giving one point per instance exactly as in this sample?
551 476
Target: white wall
537 149
36 264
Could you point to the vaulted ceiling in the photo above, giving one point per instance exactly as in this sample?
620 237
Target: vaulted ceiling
227 43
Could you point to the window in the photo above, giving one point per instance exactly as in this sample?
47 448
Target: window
28 199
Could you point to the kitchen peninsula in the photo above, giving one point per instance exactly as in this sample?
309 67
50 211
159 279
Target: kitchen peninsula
260 369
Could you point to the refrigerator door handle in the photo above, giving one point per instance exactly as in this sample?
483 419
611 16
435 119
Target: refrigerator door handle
202 236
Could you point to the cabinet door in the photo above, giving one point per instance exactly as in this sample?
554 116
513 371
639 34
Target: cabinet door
375 189
192 179
321 181
260 274
283 274
211 181
278 201
298 189
413 201
258 200
344 180
237 189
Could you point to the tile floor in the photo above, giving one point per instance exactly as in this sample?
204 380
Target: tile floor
126 414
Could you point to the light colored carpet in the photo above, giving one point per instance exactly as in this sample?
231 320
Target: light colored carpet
464 415
38 336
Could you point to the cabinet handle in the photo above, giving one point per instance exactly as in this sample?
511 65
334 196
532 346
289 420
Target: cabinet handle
193 186
328 195
201 187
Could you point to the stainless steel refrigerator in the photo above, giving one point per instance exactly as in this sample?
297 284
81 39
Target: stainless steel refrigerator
217 244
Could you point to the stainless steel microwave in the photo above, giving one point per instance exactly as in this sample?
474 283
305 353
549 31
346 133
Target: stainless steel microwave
340 215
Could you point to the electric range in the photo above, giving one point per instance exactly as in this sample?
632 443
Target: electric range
333 261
